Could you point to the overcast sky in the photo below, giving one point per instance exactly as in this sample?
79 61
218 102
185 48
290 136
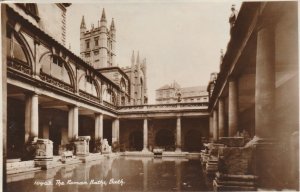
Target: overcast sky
181 40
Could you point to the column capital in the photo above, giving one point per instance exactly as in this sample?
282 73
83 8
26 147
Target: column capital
98 113
32 93
70 106
179 116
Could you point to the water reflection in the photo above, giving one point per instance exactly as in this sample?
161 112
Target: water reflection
116 174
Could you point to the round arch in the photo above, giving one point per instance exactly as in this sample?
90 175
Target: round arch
20 39
94 82
109 96
65 64
164 138
136 140
192 141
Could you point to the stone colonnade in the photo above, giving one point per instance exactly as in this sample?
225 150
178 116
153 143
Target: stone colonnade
32 127
32 121
264 93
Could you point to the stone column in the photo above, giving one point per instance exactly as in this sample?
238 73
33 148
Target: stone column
178 134
115 131
31 117
145 149
211 127
73 123
215 125
232 108
268 156
98 126
221 113
265 83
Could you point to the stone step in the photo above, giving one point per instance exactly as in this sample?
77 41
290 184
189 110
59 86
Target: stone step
236 177
218 187
21 170
235 183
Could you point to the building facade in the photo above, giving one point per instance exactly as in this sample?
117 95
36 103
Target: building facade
256 95
173 93
54 94
50 93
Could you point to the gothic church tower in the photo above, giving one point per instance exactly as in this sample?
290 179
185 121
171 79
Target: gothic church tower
138 80
98 44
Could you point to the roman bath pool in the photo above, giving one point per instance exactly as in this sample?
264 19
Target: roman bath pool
116 174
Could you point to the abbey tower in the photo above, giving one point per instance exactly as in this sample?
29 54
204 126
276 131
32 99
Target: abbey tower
98 44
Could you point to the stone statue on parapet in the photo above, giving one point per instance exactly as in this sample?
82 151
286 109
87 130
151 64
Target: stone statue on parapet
178 94
232 18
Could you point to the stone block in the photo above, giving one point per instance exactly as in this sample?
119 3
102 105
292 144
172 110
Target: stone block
82 145
44 149
232 141
235 160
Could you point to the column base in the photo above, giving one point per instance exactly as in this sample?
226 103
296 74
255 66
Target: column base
266 162
178 150
145 150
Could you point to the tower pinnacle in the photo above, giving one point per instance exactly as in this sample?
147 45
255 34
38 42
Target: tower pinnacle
112 25
82 25
132 59
103 17
138 59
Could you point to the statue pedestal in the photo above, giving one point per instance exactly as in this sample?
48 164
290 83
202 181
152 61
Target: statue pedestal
82 147
44 153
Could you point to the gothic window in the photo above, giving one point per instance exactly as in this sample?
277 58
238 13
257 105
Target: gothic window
109 96
87 43
89 79
96 52
57 61
123 85
96 41
123 100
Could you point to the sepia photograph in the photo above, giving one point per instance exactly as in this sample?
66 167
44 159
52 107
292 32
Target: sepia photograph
149 95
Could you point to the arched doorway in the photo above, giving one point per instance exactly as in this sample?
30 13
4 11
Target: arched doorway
192 141
136 141
165 139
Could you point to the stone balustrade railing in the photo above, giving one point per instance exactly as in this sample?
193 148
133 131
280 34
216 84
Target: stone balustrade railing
172 106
